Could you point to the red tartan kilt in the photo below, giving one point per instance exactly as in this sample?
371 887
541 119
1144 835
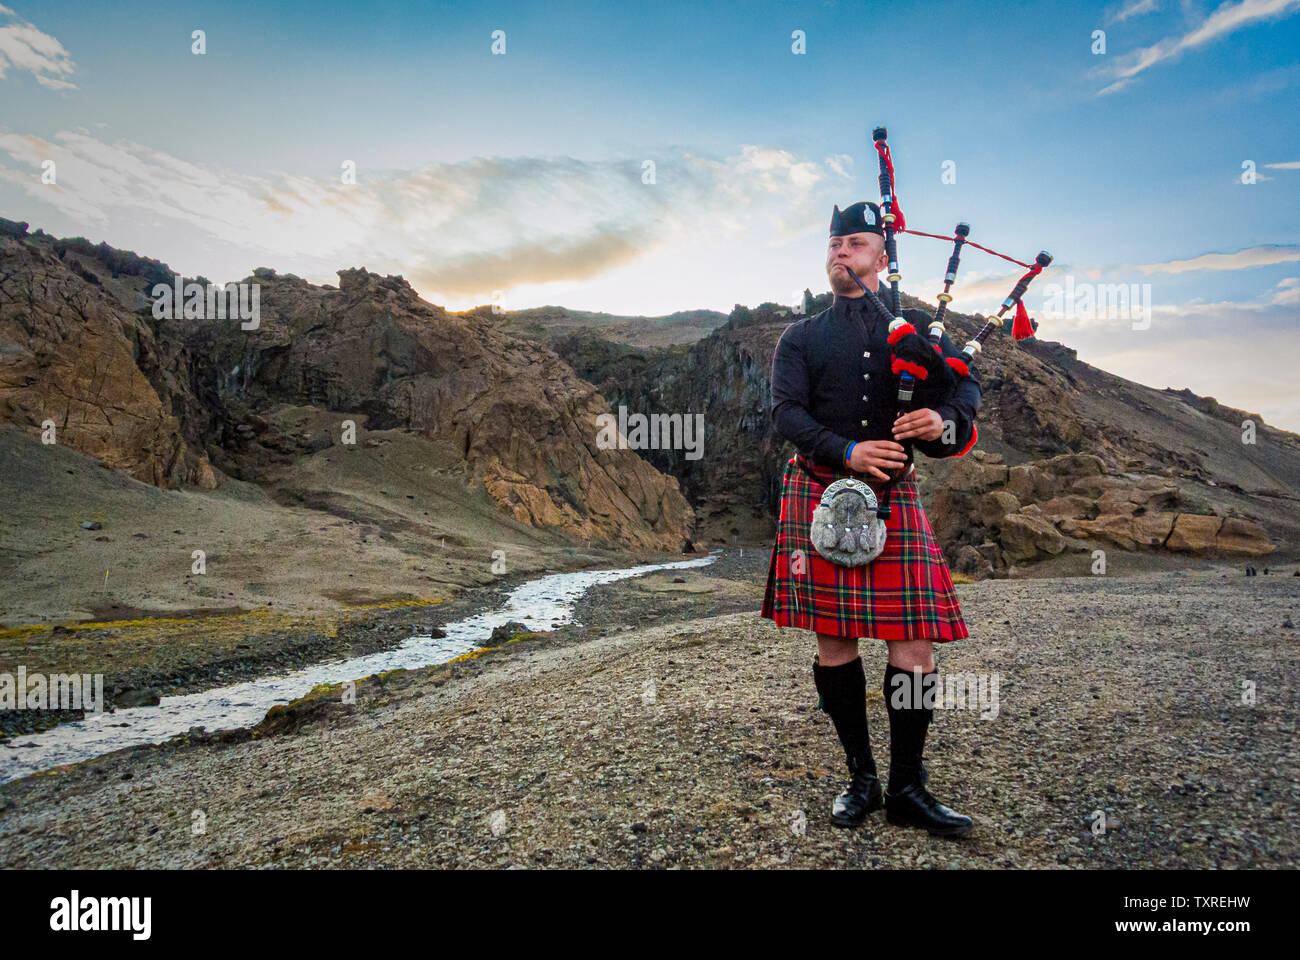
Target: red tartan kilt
906 593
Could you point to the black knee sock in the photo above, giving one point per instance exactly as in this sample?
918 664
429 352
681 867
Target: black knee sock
843 692
909 720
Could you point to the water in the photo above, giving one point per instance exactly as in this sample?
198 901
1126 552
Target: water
542 604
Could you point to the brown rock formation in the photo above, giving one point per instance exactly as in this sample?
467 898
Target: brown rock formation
78 344
526 424
1149 531
1027 536
1193 533
1101 458
71 354
1242 536
993 506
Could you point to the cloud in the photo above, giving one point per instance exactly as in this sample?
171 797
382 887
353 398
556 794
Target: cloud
457 230
1241 353
1286 293
1262 312
1114 308
548 262
1289 165
1226 19
1262 256
27 48
986 292
1242 376
840 162
1215 348
1135 8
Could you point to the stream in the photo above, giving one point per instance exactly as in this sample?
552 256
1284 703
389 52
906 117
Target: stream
541 604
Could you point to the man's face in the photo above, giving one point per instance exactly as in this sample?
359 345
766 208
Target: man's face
863 253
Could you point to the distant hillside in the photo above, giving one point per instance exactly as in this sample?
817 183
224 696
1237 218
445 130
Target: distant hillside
550 323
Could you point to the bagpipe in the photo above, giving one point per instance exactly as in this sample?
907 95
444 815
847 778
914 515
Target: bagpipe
926 378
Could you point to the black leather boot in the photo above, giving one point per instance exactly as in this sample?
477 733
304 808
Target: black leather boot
908 803
843 692
862 795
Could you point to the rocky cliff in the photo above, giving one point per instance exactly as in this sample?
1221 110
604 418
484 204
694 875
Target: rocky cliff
1071 459
72 355
168 400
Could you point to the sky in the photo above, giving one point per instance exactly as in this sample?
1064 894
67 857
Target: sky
647 158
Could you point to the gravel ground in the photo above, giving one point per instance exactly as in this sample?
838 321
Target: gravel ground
665 731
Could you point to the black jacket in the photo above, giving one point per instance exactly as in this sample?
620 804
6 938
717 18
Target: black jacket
831 384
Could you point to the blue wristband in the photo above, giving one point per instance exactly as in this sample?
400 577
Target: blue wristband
849 452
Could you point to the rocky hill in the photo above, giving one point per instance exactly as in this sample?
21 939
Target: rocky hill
1071 459
188 402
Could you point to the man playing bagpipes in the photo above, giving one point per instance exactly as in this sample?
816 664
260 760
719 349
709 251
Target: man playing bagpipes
835 397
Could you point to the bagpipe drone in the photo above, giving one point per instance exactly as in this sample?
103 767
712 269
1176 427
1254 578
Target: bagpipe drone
925 377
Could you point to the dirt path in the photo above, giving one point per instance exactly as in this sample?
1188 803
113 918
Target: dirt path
695 743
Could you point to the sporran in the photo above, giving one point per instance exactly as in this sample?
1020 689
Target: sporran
846 526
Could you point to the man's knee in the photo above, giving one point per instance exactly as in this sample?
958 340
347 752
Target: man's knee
833 650
912 654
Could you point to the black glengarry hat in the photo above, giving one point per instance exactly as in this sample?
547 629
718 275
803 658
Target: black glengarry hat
860 217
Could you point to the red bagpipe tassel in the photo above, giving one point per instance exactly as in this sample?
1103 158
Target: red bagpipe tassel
915 369
899 332
900 223
959 366
1022 328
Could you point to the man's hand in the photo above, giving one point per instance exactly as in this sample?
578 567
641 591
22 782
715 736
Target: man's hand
873 457
923 424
